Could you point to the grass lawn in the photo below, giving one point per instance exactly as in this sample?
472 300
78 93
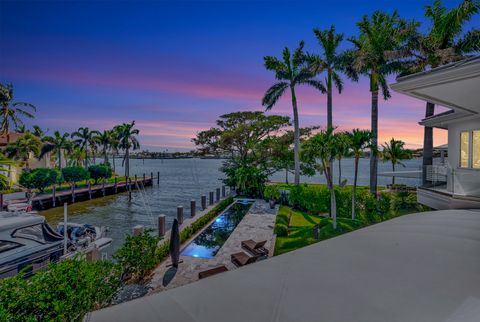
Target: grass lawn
302 224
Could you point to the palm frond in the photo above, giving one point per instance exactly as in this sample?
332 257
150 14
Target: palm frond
318 84
273 94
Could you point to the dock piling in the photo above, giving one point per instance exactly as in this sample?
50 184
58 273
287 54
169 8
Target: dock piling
144 178
218 194
53 195
158 177
115 185
204 202
211 198
103 187
89 189
192 208
180 214
1 201
161 225
73 193
137 230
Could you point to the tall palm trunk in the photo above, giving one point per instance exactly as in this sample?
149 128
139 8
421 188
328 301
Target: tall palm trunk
373 154
393 169
286 175
113 161
330 113
105 157
329 100
354 190
339 171
296 137
333 200
427 143
86 156
60 159
127 164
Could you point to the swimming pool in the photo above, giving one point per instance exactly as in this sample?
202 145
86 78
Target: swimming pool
207 244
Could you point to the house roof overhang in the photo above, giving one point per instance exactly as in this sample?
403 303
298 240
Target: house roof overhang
456 86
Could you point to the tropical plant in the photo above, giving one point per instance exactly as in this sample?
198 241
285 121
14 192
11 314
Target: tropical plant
58 144
319 151
359 141
23 148
38 131
127 138
21 129
394 152
331 62
379 34
105 140
443 43
99 171
247 137
83 137
75 157
73 175
39 178
343 151
292 70
114 146
12 112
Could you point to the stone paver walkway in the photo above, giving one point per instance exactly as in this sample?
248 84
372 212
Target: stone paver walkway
257 224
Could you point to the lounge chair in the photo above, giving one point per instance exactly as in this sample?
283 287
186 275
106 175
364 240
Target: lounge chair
256 249
212 271
242 259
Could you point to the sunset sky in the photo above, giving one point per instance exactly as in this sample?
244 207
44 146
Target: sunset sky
173 67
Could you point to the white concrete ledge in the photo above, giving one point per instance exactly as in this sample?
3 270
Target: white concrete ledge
421 267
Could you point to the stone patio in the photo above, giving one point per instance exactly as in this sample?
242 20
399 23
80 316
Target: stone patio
257 224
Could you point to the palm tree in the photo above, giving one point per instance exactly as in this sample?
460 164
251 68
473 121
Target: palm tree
12 112
127 140
21 129
359 141
105 140
331 62
292 70
394 152
442 44
114 146
84 138
379 34
58 143
39 132
323 147
342 152
24 147
75 157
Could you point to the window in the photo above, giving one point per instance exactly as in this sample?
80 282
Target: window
464 149
476 149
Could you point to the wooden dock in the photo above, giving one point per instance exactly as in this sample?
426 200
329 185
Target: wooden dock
58 198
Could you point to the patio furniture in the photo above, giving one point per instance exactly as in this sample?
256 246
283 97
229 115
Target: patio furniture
212 271
257 249
242 259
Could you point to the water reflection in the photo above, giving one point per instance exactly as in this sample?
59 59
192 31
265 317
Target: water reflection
207 244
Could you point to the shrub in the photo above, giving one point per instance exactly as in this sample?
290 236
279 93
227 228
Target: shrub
74 174
66 291
281 230
99 171
38 178
138 255
272 192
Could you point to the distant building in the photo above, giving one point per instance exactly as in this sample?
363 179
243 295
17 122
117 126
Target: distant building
456 183
34 162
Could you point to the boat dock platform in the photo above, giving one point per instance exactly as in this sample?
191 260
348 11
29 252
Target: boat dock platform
75 194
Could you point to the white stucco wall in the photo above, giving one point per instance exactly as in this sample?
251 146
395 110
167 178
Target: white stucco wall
461 181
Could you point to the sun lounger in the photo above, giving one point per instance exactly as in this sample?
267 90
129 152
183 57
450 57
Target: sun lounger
256 249
212 271
242 259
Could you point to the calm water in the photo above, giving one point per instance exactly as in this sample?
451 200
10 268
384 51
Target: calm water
180 181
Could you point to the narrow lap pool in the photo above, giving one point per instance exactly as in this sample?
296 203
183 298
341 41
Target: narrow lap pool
207 244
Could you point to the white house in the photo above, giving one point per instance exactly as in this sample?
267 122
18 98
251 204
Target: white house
456 184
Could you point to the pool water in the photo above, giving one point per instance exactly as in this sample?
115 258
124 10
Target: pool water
207 244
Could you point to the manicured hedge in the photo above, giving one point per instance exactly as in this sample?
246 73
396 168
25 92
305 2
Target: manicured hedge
66 291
